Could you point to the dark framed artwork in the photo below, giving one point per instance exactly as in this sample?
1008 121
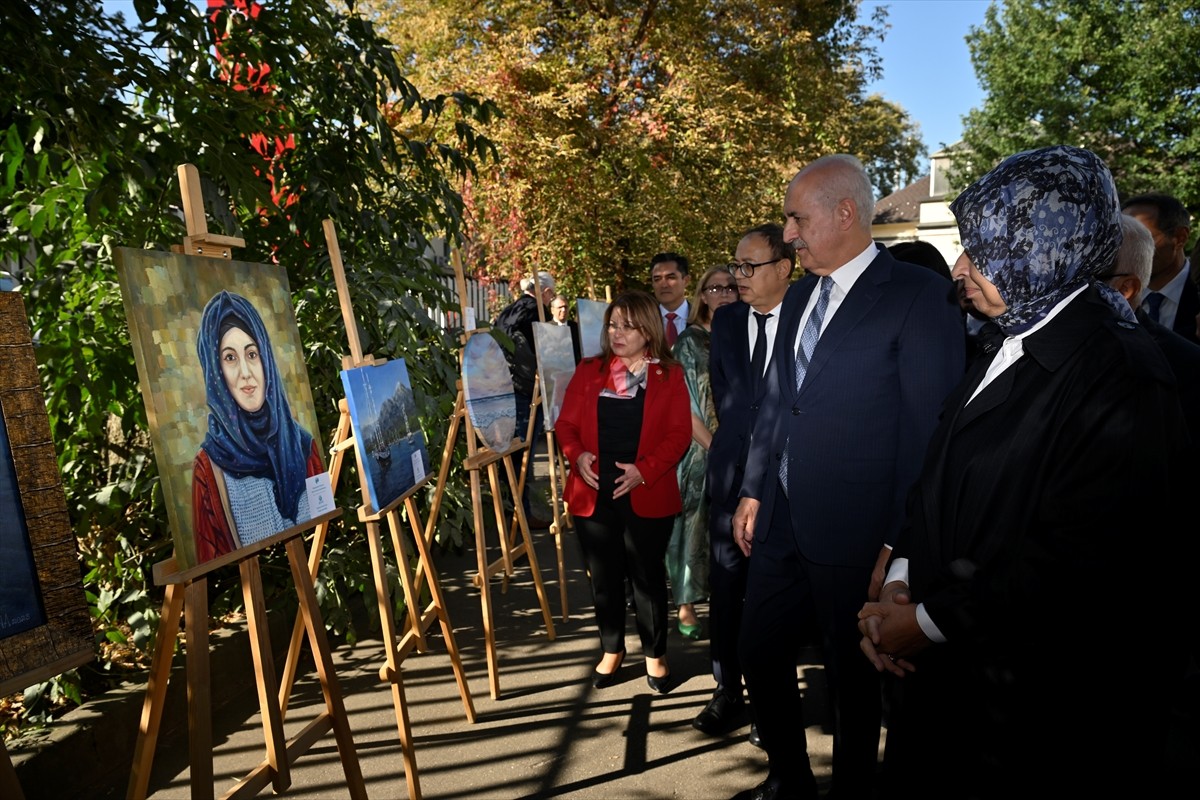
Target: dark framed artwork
45 628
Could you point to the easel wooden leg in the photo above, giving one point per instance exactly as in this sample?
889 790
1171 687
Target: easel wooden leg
264 666
319 643
10 787
391 671
156 693
557 526
531 554
485 590
195 615
518 513
429 572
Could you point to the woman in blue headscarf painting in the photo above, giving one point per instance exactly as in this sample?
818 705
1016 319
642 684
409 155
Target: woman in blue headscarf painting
249 476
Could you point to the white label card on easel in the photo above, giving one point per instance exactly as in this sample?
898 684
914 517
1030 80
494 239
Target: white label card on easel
418 467
320 495
470 326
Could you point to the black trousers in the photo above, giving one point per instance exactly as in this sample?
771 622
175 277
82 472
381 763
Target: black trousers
618 544
785 595
727 595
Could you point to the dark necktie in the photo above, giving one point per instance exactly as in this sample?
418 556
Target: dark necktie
672 334
808 343
1153 303
758 361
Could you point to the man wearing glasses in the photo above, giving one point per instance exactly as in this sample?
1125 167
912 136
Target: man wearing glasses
743 341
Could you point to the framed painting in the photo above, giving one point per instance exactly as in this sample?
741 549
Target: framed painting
591 322
383 416
488 391
45 628
231 415
556 365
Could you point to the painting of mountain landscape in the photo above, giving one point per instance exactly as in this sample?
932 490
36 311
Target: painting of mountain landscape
383 416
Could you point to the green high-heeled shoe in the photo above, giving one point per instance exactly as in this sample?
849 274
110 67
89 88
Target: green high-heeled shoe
690 631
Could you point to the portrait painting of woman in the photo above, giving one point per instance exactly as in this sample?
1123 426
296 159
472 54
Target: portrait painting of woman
249 477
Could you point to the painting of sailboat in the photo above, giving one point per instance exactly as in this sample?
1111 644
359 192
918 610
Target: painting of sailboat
383 416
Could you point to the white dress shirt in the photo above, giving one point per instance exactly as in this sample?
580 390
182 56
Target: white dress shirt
844 278
769 330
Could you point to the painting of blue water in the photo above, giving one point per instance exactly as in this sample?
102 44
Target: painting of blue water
488 389
383 416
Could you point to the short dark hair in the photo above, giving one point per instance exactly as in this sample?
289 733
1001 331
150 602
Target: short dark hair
1170 214
923 254
773 234
662 258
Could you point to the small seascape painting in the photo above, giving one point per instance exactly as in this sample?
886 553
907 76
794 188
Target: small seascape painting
488 388
391 445
556 365
591 322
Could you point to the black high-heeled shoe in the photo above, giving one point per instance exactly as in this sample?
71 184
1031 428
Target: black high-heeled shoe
602 680
661 685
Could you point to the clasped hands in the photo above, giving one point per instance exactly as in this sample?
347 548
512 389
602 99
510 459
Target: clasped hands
630 476
891 633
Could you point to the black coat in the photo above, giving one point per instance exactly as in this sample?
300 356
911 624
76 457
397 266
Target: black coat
1041 543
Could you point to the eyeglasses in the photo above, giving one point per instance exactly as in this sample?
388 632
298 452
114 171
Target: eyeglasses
746 268
626 327
721 289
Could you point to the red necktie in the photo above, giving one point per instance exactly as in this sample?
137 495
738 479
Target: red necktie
672 333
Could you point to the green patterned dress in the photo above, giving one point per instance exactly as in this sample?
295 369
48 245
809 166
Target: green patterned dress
687 553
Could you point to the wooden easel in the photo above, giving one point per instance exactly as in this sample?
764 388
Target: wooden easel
187 595
417 620
480 457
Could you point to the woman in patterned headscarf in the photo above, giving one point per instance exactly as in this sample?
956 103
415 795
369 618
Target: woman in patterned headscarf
249 477
1017 570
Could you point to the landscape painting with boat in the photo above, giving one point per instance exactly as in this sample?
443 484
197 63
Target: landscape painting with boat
383 415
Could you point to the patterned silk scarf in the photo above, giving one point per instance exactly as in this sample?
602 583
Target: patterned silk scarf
623 384
1039 226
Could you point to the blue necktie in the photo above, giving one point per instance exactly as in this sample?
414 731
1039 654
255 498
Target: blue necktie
1153 302
808 343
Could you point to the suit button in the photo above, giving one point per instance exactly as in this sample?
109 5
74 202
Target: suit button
795 411
754 407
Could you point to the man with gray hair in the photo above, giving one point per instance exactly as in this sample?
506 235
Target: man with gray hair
867 350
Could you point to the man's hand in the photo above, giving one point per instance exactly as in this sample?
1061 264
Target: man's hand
743 524
891 634
586 463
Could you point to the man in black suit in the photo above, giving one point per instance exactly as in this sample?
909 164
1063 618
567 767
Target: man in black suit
868 349
743 338
1173 298
1133 271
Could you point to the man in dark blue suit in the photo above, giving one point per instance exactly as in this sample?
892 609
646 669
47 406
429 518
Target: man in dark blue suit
868 349
1172 297
743 337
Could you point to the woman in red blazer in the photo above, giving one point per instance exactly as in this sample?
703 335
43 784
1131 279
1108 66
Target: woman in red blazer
624 425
